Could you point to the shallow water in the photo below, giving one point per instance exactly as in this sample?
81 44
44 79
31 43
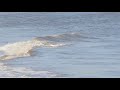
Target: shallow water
59 44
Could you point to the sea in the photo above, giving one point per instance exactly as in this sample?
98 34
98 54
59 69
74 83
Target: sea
59 44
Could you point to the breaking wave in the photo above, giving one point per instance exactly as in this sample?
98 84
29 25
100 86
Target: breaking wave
25 48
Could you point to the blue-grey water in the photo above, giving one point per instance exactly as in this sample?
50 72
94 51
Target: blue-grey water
63 44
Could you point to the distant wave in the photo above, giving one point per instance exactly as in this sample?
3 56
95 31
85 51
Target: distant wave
62 37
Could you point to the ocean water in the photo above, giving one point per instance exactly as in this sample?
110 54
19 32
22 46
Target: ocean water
59 44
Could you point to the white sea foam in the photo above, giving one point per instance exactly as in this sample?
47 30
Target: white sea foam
22 72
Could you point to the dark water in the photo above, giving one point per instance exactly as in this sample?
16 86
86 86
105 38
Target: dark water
92 44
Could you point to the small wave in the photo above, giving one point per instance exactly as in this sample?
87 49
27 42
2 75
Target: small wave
25 48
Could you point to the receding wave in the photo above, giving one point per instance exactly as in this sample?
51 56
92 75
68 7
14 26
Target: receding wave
25 48
22 72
